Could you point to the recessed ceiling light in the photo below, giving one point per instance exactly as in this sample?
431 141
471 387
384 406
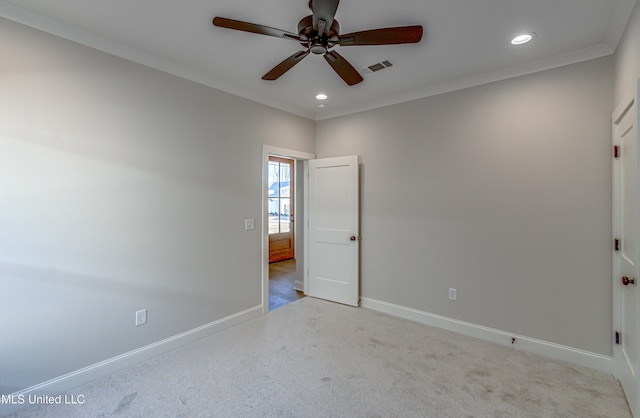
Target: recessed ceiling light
523 38
321 96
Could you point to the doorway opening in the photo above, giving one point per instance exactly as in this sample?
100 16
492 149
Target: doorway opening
282 210
283 244
326 226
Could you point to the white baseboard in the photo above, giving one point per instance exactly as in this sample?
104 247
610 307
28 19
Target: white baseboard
544 348
88 374
299 285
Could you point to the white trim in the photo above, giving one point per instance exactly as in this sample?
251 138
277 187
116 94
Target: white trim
543 64
619 20
305 278
268 150
533 345
95 371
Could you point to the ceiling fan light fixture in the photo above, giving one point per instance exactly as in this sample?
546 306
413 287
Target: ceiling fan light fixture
321 96
523 38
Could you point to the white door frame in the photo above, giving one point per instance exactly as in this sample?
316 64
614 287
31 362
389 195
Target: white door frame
298 156
616 227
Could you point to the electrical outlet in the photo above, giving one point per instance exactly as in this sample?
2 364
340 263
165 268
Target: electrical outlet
453 294
141 317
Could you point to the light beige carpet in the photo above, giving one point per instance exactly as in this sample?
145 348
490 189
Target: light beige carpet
318 359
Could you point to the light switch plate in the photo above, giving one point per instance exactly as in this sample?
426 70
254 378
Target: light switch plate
141 317
249 224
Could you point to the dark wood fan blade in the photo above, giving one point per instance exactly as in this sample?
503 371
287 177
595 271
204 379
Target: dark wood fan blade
223 22
341 66
323 11
386 36
285 65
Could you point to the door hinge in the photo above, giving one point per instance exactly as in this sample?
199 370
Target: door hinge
618 338
616 244
616 151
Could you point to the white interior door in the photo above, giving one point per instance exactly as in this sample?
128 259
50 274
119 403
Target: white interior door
625 271
333 232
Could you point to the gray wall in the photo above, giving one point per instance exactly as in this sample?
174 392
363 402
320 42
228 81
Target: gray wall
121 188
627 59
501 191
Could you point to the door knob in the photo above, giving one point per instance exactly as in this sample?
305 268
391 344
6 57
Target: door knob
627 281
353 238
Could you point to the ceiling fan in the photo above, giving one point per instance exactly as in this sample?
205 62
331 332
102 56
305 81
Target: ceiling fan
319 33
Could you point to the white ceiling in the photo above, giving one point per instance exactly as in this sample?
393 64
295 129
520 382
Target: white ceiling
465 43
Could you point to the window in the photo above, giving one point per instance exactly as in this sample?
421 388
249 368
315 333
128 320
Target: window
280 203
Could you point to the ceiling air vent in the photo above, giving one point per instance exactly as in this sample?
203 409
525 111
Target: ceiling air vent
376 67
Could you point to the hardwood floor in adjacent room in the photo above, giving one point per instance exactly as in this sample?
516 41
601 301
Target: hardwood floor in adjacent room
282 279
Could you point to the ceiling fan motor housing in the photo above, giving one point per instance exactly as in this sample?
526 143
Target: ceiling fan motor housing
317 43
